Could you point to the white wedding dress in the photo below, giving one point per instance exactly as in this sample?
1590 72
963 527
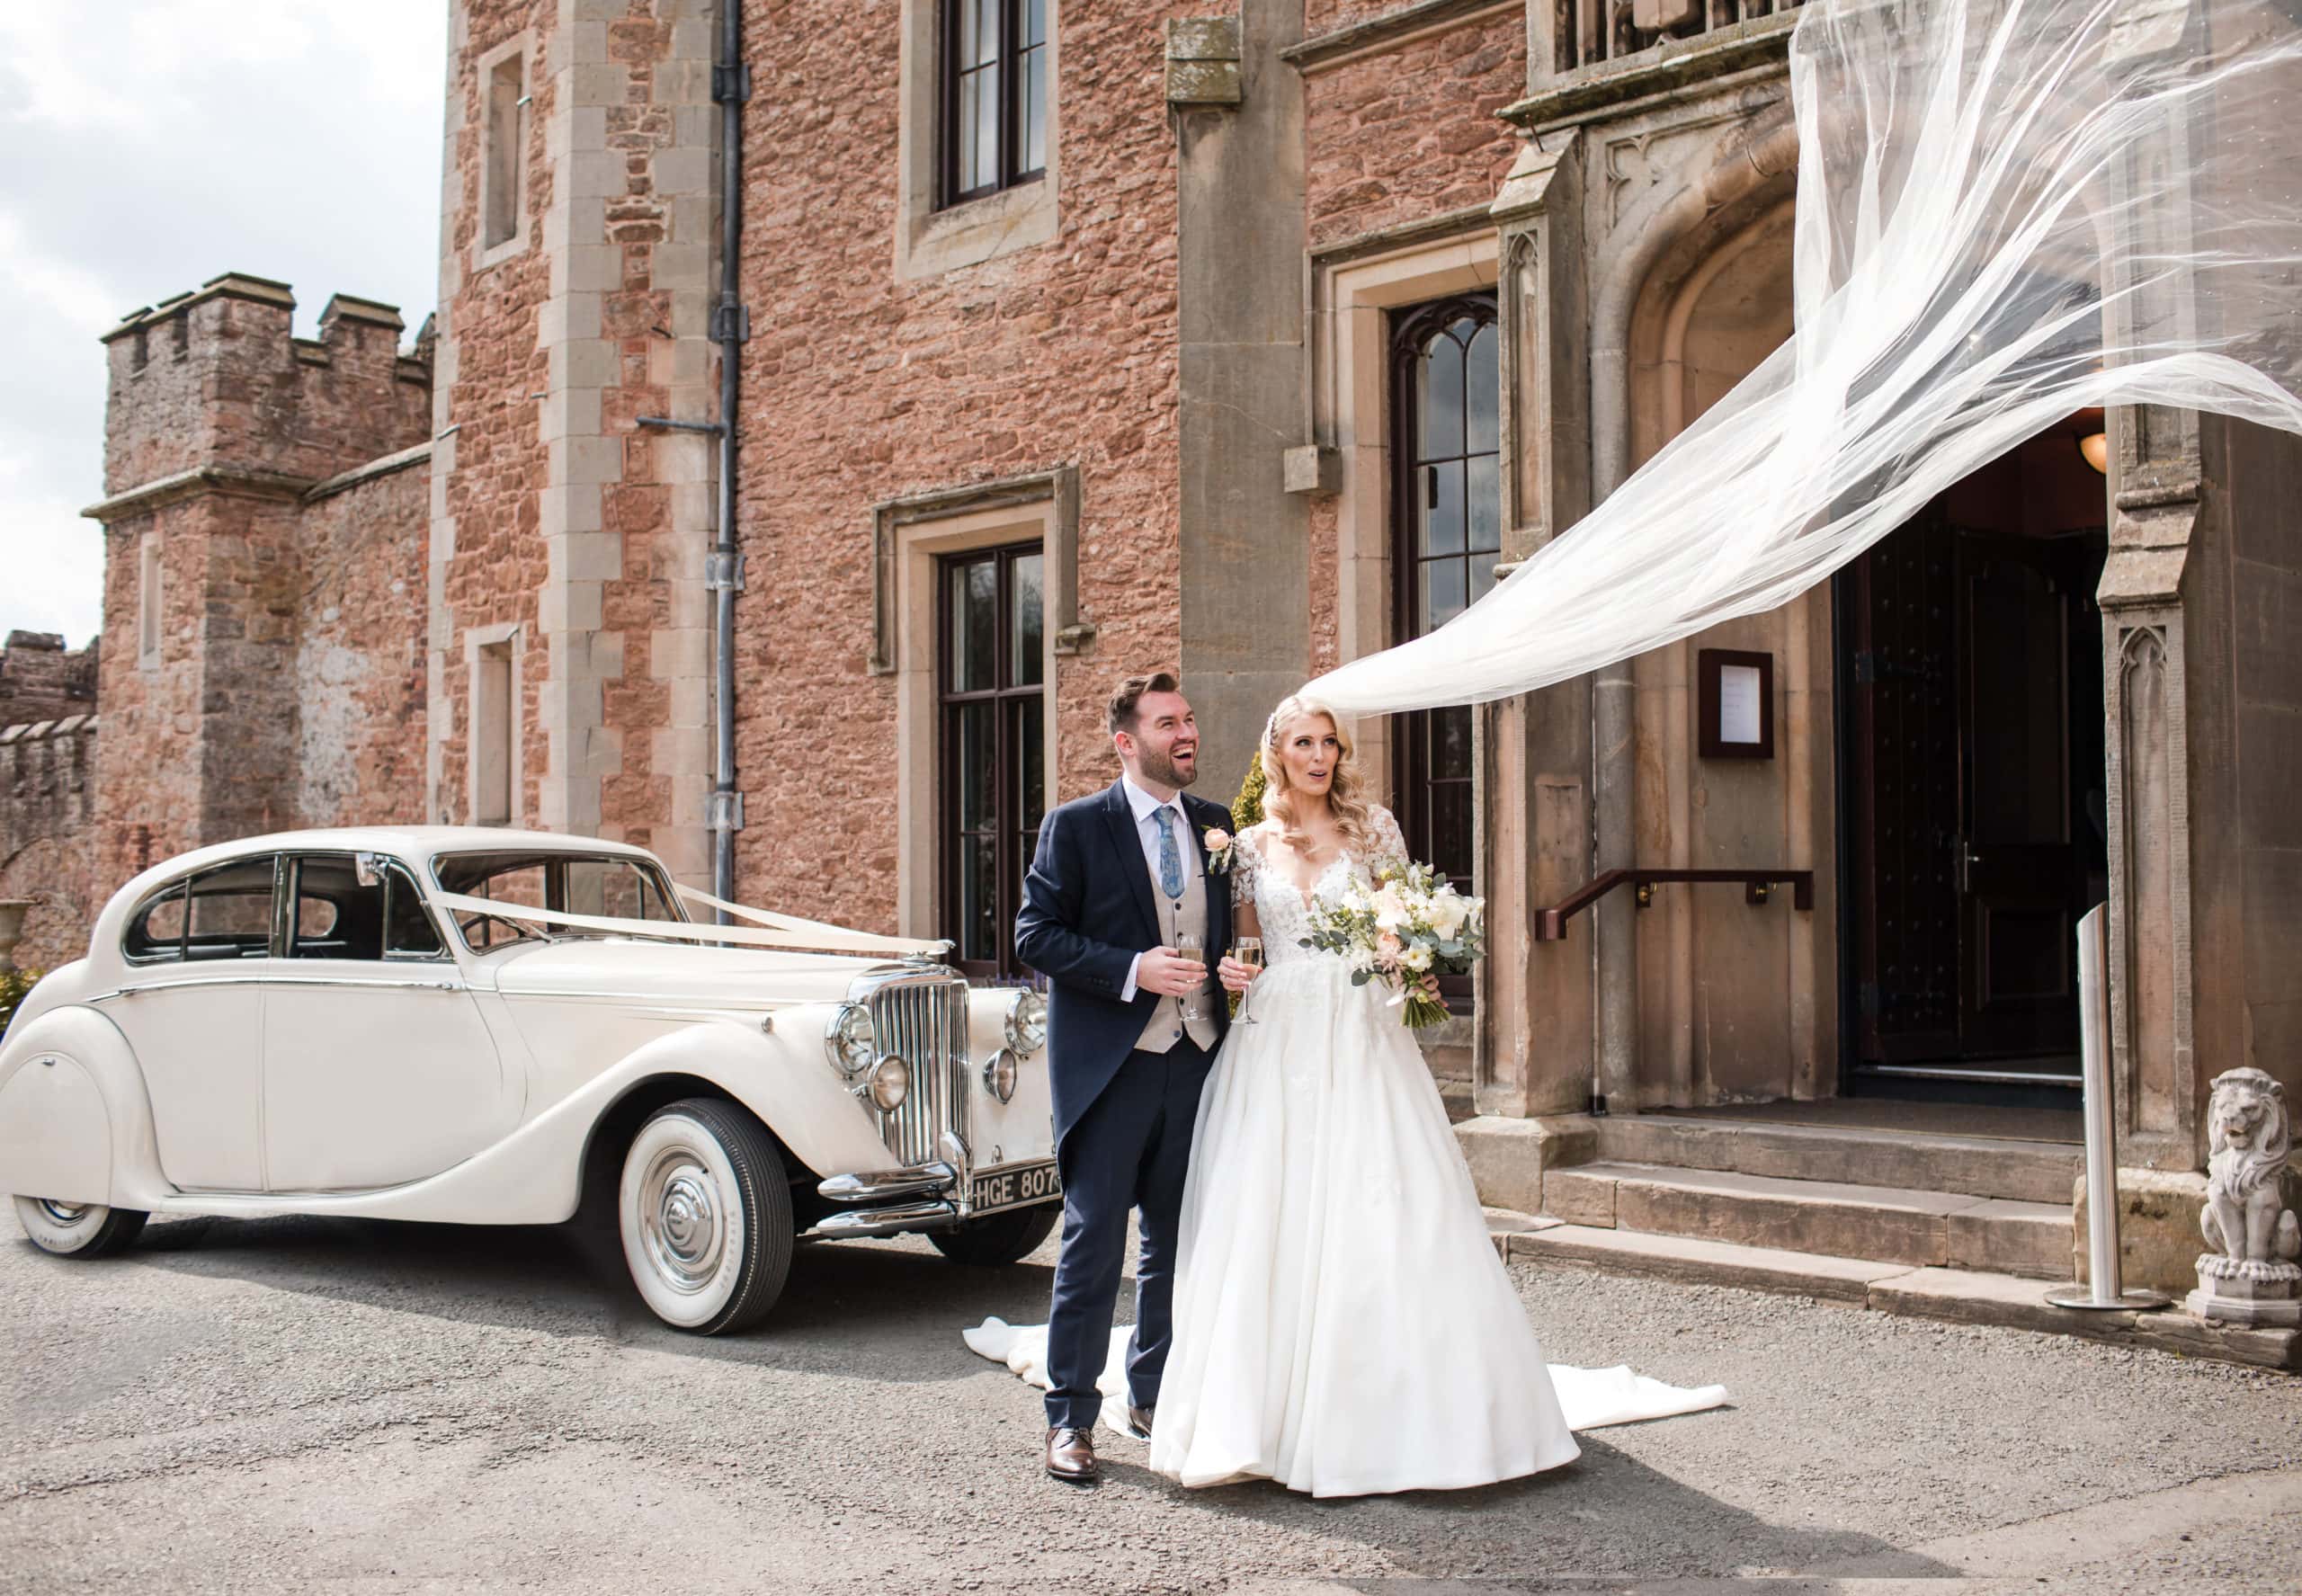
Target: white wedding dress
1341 1323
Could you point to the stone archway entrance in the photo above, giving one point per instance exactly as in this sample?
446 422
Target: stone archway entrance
1941 768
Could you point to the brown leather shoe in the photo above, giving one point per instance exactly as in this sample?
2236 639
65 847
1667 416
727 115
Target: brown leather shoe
1071 1455
1138 1421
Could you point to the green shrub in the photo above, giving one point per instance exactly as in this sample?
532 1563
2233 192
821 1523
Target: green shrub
1246 810
14 986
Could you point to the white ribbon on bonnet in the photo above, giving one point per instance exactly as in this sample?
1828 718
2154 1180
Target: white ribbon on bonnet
788 932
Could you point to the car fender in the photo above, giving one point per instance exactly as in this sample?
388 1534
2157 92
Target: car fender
784 1080
75 1121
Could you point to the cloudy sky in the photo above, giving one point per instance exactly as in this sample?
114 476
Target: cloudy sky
152 144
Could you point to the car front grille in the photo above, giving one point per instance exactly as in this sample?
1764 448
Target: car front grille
924 1020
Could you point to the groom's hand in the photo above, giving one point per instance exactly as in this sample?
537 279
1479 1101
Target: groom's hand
1168 974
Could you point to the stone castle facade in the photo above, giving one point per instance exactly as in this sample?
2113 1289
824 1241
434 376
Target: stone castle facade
1146 365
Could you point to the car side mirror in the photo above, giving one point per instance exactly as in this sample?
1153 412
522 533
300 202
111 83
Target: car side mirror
365 867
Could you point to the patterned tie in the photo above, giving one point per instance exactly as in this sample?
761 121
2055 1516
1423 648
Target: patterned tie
1171 862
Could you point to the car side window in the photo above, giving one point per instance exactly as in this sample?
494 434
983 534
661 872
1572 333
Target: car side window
408 930
229 913
338 916
156 932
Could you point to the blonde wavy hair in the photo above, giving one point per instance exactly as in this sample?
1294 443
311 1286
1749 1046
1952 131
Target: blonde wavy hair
1344 801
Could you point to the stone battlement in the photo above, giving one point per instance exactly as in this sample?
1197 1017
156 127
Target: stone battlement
47 802
34 731
215 377
41 680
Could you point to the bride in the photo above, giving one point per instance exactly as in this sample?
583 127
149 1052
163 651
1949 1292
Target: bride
1341 1322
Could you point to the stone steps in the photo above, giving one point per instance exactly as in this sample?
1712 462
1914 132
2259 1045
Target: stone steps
1966 1296
1978 1166
1886 1225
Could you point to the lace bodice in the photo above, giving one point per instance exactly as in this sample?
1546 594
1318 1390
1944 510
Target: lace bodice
1285 912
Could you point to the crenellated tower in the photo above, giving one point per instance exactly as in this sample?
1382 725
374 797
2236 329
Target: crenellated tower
253 519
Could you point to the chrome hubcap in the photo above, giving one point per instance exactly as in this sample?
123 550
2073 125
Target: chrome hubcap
680 1219
63 1213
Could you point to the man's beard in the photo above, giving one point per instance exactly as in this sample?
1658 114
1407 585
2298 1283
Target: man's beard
1161 768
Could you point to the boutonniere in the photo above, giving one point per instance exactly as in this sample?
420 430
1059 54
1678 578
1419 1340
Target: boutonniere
1217 843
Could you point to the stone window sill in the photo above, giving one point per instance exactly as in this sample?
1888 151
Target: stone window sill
516 245
931 242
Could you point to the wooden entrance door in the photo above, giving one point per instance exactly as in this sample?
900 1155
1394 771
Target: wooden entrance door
1972 759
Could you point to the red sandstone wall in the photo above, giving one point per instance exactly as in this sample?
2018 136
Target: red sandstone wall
858 389
148 766
47 836
1411 133
500 562
359 667
635 799
41 679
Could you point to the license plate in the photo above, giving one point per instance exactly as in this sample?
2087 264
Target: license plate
1013 1186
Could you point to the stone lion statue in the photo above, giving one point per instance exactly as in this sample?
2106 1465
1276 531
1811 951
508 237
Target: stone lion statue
2248 1135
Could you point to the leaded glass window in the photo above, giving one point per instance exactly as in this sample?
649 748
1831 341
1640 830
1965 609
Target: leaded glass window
995 95
1447 540
993 686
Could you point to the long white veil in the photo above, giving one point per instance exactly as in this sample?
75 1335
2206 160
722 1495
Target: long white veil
2008 210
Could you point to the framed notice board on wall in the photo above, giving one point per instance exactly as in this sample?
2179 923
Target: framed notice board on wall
1735 692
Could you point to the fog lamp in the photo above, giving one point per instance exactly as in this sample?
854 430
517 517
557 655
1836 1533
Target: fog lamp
999 1073
890 1082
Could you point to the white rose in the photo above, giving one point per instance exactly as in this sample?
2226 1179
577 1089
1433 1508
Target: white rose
1448 912
1391 912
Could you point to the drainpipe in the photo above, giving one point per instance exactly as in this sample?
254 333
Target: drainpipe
731 86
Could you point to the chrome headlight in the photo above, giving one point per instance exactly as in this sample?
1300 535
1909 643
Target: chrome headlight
1026 1023
889 1082
849 1039
999 1073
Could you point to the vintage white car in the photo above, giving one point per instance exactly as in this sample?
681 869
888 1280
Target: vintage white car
508 1028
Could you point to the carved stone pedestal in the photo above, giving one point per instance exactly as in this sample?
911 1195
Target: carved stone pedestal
2247 1291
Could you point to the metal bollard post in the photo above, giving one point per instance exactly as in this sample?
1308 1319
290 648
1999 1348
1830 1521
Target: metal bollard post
2104 1287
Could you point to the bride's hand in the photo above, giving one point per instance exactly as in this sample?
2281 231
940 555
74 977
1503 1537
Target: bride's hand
1236 976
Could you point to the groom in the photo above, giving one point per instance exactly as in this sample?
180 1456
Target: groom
1132 1028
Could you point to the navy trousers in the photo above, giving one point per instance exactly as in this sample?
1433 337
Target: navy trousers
1131 1149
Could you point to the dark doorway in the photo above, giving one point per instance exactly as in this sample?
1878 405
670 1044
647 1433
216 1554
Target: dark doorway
1971 779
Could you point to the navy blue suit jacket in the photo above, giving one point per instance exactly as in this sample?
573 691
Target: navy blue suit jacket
1087 912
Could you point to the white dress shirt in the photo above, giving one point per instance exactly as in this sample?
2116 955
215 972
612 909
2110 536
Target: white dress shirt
1147 832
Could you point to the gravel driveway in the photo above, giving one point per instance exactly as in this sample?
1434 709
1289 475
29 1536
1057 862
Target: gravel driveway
306 1405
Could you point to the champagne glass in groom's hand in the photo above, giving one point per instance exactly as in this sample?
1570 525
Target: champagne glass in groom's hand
1194 949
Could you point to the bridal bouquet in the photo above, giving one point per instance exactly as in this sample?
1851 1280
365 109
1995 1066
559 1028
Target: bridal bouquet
1405 928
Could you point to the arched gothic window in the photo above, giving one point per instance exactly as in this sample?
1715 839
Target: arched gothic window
1447 538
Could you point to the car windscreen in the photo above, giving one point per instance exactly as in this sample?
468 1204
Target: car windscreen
609 886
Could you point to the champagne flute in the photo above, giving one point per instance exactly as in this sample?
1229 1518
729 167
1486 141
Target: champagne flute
1247 951
1193 949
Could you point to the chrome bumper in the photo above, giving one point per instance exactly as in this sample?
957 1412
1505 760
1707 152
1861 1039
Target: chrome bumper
883 1185
922 1197
891 1220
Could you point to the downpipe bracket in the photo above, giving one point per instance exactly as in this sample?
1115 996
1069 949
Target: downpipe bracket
723 572
731 323
731 84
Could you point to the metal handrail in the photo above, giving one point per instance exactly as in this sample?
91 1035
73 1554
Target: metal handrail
1550 925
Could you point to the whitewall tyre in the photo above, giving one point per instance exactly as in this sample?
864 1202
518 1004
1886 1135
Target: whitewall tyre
998 1239
77 1229
705 1215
